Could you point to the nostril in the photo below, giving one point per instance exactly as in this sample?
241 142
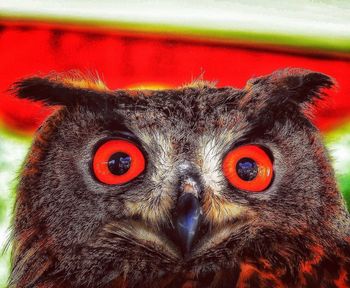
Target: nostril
188 213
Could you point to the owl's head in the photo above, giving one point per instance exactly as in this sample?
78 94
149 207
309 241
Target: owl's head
142 186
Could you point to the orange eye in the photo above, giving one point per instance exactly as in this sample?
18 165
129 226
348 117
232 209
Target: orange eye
117 162
248 168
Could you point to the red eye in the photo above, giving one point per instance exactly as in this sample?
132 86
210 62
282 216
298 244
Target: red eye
248 168
118 161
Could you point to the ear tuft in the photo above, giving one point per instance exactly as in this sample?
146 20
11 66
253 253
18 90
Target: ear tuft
285 88
59 89
301 85
76 79
37 89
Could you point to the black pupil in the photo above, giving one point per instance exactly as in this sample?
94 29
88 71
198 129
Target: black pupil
247 169
119 163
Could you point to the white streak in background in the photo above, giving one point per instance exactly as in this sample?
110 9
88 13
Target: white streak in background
316 18
12 153
340 151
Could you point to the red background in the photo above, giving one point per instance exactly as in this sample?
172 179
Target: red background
124 59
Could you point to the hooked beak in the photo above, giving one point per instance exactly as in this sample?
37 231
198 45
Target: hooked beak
187 217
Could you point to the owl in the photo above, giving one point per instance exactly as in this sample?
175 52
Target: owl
196 186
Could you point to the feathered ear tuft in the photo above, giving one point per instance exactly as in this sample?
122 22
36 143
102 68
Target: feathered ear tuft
304 86
60 89
292 85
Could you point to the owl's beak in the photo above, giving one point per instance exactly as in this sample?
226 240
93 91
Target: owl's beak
188 213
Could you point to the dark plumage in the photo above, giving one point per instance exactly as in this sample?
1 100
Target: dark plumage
71 230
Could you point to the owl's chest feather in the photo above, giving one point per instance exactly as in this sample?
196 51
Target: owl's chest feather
320 269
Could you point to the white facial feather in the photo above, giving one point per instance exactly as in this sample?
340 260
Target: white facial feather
211 152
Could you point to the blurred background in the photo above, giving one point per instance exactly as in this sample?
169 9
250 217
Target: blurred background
165 44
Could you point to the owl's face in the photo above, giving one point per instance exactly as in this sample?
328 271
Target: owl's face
147 185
